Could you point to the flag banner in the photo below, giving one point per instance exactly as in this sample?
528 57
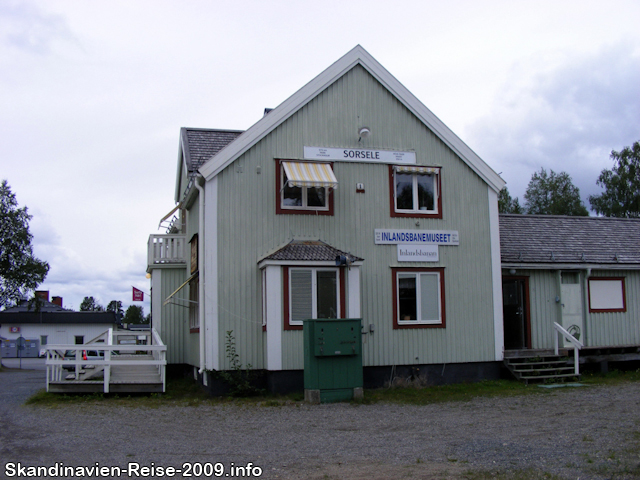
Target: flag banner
138 295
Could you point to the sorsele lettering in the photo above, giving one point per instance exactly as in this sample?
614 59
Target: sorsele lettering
361 154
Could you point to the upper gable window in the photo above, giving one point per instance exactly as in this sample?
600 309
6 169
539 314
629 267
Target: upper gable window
415 191
305 187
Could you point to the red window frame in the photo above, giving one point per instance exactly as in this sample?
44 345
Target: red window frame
298 211
394 277
392 198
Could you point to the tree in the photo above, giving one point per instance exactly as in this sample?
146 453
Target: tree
90 304
553 194
134 314
116 307
621 197
20 271
506 204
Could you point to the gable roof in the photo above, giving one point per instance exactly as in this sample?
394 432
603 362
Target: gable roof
197 145
45 306
573 241
200 144
357 56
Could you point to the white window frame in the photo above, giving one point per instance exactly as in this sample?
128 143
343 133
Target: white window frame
416 208
304 205
419 320
314 292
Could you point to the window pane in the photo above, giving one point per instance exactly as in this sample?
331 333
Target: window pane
429 297
426 192
316 196
606 294
407 297
404 191
292 196
327 294
301 295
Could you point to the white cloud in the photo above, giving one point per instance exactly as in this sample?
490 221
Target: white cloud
567 116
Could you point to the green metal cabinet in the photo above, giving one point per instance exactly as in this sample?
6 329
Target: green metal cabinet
332 359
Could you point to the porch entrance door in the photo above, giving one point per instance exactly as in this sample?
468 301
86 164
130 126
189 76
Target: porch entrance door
517 330
572 311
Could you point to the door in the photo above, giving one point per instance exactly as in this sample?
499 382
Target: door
572 311
517 329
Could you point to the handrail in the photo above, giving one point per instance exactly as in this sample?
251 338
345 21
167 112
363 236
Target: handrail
577 344
55 356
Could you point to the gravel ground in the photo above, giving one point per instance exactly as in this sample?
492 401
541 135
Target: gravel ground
587 433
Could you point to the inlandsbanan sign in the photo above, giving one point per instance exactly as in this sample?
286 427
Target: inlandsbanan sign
418 253
412 237
359 155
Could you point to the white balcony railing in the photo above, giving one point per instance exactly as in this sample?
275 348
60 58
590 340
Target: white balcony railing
166 249
113 355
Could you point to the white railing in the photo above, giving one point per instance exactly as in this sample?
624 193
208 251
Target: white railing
166 249
577 344
56 360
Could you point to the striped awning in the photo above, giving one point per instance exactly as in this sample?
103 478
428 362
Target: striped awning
416 169
310 174
168 299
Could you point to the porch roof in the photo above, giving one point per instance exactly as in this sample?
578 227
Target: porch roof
308 251
562 240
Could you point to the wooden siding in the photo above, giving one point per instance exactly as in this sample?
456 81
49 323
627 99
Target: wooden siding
175 319
601 328
617 328
249 229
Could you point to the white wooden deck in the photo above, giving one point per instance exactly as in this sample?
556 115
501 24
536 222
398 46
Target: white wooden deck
124 368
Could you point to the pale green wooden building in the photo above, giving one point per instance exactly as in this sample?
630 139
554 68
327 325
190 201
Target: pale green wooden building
351 166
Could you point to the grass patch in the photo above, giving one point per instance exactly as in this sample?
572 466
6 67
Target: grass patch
187 392
458 392
518 474
614 377
179 392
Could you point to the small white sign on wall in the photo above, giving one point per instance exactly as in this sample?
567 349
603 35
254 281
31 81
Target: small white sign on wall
359 155
418 253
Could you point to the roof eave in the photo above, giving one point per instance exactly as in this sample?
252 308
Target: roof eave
307 263
570 266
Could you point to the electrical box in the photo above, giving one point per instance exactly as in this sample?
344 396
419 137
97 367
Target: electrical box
332 359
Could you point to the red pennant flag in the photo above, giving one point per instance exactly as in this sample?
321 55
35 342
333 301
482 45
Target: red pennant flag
138 295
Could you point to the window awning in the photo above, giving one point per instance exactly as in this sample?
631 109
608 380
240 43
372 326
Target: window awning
416 169
168 299
169 214
310 174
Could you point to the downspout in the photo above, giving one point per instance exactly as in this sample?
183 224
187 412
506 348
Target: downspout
201 272
586 317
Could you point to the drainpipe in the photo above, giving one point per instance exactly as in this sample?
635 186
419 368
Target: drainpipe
201 272
586 316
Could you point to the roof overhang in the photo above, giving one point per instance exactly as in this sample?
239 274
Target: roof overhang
356 56
570 266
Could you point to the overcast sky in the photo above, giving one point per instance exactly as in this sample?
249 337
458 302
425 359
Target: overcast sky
93 94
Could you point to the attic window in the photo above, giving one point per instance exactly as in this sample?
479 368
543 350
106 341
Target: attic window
415 191
305 188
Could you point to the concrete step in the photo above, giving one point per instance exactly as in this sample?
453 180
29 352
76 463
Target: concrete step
541 368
